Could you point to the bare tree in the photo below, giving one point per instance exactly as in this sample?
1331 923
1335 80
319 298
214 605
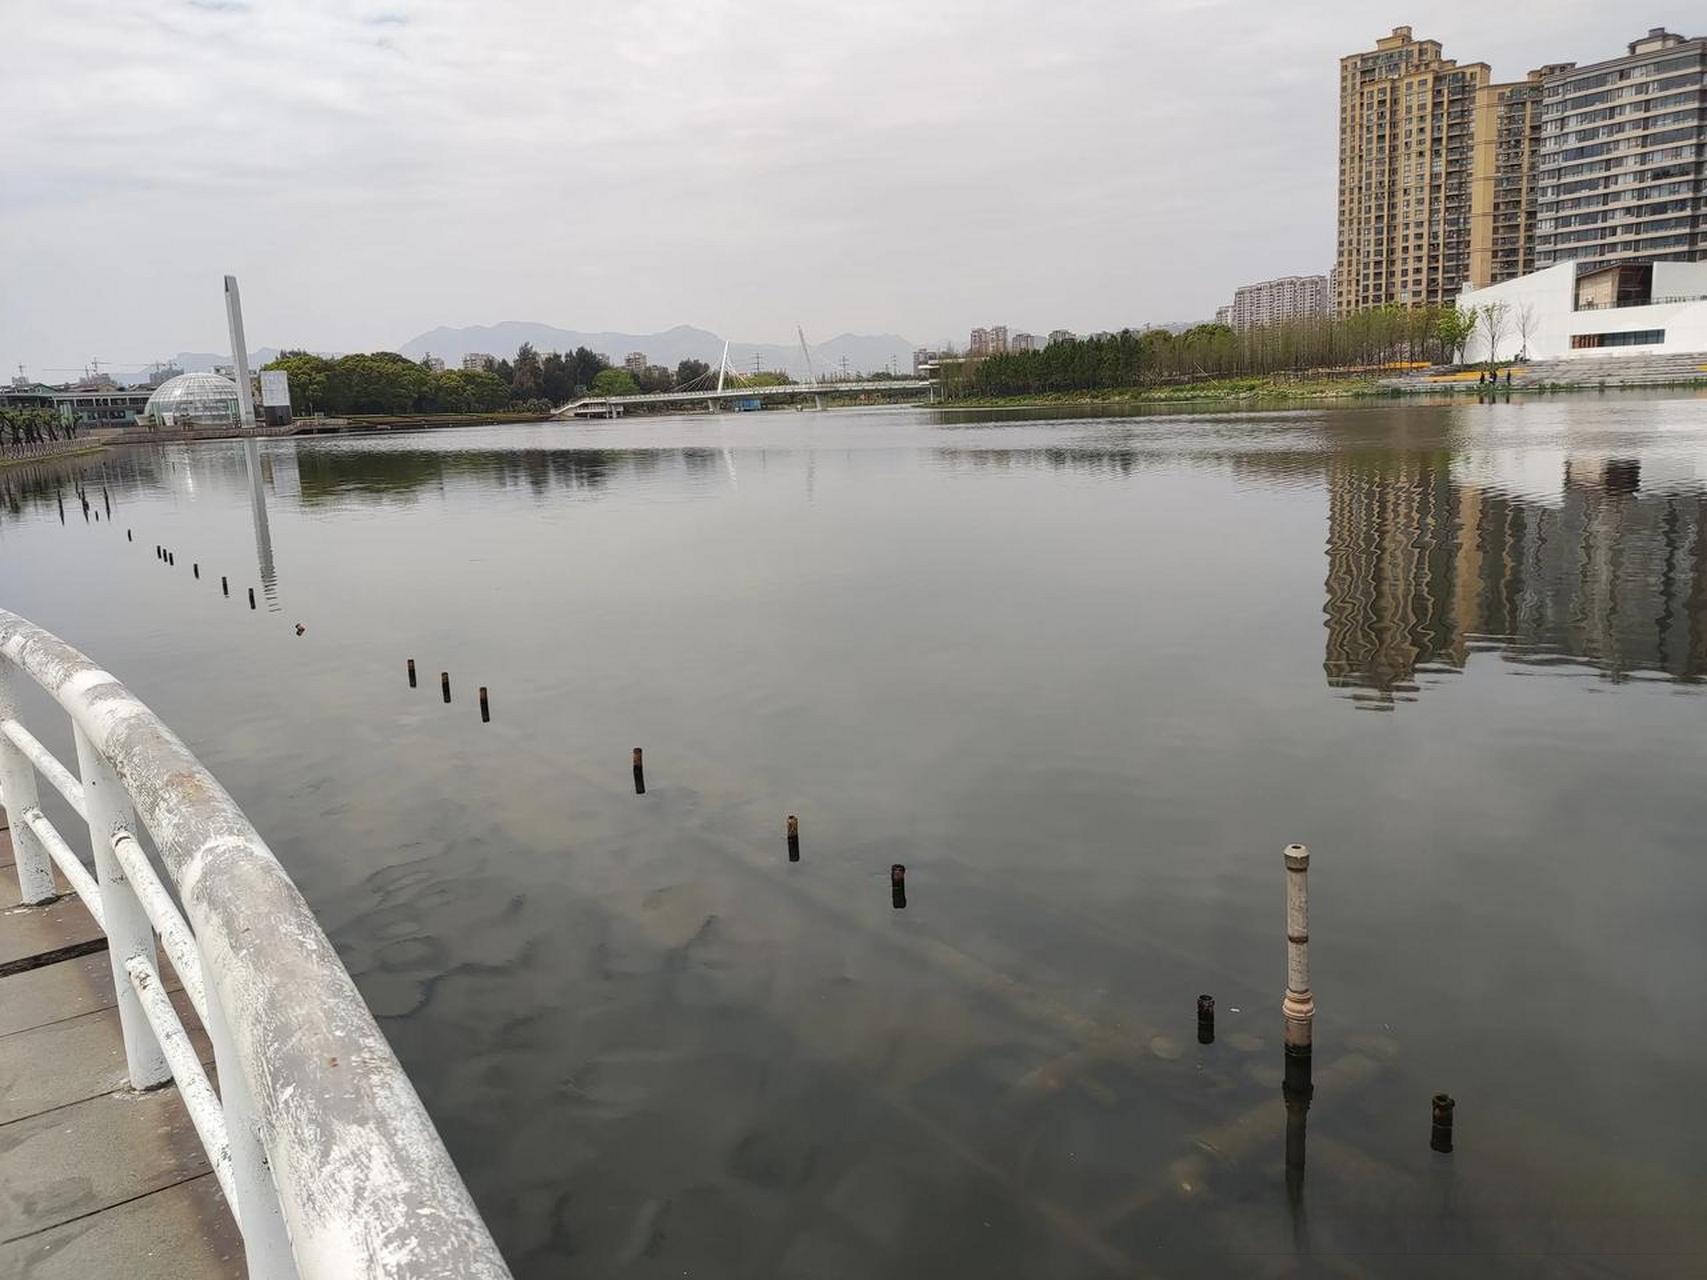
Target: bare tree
1496 323
1526 320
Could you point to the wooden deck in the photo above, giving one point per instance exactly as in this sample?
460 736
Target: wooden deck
96 1179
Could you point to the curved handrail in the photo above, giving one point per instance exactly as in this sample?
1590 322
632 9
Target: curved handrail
364 1184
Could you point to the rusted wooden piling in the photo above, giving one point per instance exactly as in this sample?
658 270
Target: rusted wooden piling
898 885
793 838
639 773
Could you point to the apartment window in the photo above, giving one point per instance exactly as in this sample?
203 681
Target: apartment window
1633 338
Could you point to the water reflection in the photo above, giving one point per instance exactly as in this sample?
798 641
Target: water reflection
332 474
1427 564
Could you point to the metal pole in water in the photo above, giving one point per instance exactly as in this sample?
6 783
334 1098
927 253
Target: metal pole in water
1299 1005
1205 1019
1440 1133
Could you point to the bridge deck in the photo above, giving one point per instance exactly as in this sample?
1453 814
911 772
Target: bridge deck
95 1179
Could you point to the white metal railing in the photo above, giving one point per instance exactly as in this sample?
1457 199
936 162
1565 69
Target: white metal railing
325 1154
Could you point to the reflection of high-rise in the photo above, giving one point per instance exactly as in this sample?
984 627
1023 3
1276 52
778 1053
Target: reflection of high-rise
1423 569
1392 530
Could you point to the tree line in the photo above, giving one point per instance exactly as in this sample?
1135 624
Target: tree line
19 427
1381 337
383 382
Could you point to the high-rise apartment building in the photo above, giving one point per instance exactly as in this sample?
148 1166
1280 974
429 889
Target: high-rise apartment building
1407 129
987 342
1503 198
635 362
1622 169
1274 301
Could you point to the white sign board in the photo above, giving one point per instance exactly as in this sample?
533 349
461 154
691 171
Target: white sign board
275 389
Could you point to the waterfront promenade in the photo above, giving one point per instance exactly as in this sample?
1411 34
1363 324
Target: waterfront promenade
96 1178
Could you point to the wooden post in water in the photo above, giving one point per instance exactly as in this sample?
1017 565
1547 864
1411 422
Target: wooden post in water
444 684
1299 1005
251 597
485 711
793 838
1440 1132
224 586
639 773
411 673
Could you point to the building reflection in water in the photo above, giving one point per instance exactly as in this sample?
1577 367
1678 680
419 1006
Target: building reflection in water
1426 565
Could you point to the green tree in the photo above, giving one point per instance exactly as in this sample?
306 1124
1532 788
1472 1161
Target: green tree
615 382
527 380
1455 328
307 373
691 371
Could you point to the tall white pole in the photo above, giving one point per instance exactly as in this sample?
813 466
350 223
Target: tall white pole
239 352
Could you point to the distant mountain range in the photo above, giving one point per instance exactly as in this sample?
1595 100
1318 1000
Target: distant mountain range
863 353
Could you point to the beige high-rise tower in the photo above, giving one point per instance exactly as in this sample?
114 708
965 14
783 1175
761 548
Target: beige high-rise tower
1435 163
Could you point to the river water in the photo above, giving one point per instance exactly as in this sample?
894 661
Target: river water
1085 678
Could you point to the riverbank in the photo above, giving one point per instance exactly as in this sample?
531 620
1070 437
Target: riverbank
36 453
1292 391
1216 391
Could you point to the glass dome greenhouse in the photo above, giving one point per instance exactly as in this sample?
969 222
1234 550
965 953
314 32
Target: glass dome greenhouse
193 399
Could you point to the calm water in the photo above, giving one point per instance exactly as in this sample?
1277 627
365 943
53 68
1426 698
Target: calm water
1085 678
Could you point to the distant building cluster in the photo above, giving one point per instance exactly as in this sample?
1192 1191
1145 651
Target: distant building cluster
1273 301
1450 179
635 362
475 361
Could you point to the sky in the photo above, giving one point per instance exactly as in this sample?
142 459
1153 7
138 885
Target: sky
372 170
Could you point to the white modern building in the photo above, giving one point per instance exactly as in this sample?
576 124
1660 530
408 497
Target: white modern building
1574 310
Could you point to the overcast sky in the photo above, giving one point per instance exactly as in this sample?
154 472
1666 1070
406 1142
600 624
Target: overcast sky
371 170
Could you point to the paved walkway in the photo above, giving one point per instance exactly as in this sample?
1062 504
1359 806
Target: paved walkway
96 1179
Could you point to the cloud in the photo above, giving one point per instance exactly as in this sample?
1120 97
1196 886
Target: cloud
888 166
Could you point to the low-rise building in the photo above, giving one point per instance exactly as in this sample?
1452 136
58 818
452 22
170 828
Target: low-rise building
475 361
1062 335
433 364
1584 309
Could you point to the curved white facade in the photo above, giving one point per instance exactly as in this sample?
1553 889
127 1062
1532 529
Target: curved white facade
1675 321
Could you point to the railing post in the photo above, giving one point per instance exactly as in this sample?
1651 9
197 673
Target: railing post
18 788
266 1243
129 931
